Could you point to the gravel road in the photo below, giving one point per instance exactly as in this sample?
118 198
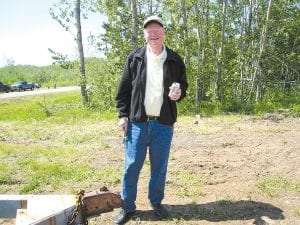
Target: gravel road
37 92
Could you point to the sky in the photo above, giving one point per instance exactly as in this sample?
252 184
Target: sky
27 30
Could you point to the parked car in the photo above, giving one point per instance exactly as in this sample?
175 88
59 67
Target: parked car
37 85
4 88
22 86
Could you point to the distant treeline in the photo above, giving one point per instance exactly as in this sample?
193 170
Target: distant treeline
45 75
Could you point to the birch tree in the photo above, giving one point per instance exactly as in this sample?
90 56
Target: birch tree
68 15
81 53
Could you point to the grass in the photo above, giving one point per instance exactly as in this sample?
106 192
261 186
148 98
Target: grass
5 172
46 142
187 183
51 144
275 185
35 169
53 108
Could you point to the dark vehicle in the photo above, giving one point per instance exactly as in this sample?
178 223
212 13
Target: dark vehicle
37 85
22 86
4 88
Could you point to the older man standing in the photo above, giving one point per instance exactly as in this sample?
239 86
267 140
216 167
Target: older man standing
147 113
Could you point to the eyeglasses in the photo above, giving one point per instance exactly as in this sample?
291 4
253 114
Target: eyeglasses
153 31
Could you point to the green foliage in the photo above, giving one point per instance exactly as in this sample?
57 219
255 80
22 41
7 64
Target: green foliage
103 79
209 108
46 75
194 29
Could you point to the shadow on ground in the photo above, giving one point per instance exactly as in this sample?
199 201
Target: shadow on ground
220 211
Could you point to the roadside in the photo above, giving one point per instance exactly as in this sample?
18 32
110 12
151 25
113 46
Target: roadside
37 92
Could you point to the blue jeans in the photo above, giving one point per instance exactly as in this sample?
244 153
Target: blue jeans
158 138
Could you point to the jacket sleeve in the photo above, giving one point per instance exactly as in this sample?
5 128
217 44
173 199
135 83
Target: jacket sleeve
182 79
123 97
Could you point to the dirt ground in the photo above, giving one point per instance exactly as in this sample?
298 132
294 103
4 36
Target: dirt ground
215 167
231 155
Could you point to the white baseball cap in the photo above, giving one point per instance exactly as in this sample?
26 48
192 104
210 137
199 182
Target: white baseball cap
155 19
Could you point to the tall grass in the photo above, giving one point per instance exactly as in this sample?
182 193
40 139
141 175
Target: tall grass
55 108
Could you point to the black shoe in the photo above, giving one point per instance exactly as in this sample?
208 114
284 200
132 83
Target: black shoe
160 211
123 217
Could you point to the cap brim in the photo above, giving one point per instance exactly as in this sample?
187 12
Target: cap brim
153 20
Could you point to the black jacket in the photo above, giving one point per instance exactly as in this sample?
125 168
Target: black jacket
131 92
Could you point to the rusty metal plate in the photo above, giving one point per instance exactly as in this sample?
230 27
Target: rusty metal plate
101 201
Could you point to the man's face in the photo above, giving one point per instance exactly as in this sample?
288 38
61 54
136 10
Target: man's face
154 35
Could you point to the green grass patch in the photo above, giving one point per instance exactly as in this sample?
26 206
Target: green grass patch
110 176
32 169
205 130
54 108
41 174
5 172
187 183
273 186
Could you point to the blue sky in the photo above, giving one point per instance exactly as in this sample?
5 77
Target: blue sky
27 31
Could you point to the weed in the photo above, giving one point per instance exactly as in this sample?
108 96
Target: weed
275 185
45 107
5 171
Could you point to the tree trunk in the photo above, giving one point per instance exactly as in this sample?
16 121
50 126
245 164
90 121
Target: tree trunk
219 65
81 54
258 75
150 8
185 32
241 60
134 39
261 49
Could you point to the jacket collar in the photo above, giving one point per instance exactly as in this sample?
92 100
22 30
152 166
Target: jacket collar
141 53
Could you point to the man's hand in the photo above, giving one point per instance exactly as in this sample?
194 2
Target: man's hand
123 123
175 95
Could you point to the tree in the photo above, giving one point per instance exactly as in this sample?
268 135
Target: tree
232 48
68 14
81 53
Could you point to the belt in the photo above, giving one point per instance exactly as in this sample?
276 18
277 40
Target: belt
152 118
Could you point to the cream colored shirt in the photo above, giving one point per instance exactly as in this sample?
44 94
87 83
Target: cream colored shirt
154 82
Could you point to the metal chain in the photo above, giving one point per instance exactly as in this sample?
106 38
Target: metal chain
78 207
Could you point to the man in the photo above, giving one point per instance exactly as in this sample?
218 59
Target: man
147 112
